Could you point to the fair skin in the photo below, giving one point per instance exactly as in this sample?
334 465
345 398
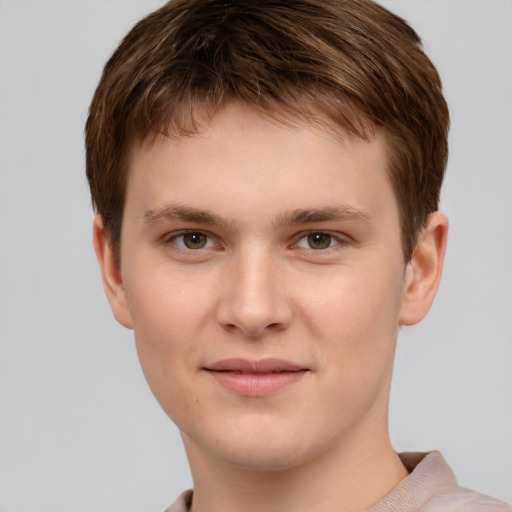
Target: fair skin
262 272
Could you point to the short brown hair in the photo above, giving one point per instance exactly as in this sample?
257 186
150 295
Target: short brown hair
352 60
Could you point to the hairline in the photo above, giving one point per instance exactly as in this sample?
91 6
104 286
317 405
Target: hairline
305 114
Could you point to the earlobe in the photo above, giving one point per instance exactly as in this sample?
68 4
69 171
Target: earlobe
111 274
423 272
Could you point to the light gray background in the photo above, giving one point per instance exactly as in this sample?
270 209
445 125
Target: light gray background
79 429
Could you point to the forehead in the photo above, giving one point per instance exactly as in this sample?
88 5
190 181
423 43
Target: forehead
244 157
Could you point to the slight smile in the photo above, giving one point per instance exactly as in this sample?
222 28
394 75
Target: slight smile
255 378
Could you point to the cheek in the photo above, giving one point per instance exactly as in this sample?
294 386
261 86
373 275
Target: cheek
356 318
167 306
168 317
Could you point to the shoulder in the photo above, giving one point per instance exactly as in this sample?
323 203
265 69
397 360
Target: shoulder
464 500
432 487
182 503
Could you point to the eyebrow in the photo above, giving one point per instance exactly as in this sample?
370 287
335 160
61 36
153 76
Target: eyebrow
193 215
343 213
184 213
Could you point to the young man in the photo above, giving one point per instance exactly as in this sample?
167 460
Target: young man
266 177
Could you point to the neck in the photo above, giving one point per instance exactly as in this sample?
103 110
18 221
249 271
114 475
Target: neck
342 479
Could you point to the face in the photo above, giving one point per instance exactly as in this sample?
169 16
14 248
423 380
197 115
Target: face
263 275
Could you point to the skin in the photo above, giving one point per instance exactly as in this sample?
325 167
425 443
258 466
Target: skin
262 287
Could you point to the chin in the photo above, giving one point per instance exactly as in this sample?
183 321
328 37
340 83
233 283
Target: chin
259 446
263 458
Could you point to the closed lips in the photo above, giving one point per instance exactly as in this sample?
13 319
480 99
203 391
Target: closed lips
263 366
256 378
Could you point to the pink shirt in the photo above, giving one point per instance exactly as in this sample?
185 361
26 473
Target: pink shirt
430 487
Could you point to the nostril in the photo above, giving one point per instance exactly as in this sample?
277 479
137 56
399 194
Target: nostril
254 318
232 326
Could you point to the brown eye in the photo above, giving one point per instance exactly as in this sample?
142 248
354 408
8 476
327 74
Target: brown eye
319 240
195 240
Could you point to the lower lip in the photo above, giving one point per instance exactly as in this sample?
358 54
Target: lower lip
256 384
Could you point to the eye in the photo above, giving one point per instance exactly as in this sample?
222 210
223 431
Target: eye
318 240
192 240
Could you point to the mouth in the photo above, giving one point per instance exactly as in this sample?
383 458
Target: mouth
256 378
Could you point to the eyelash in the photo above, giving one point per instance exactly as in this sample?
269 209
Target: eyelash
334 240
176 236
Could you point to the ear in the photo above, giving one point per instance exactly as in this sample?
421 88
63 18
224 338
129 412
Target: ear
423 272
111 274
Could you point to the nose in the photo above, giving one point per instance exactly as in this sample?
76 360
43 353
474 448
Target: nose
253 299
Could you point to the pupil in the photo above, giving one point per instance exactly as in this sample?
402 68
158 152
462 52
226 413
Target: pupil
194 240
319 240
